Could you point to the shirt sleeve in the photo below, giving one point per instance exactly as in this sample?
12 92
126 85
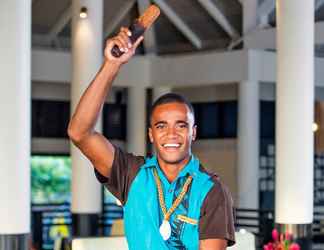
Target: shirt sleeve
124 170
217 215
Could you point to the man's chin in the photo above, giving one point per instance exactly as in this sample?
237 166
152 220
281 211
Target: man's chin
172 160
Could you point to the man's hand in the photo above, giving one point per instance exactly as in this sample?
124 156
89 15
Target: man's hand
124 44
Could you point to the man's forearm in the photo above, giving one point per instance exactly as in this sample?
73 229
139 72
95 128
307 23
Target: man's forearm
91 102
87 111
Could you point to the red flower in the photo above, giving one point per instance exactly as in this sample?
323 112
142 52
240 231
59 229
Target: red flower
294 246
269 246
275 235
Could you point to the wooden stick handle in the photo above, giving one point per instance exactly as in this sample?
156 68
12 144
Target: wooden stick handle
139 26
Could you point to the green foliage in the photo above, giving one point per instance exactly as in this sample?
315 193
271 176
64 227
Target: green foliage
50 179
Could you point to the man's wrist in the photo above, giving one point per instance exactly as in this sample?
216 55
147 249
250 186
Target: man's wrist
112 65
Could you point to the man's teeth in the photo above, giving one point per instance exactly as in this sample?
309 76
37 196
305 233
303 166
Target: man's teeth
171 145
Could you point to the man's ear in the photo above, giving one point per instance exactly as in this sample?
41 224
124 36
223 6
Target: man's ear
194 132
150 135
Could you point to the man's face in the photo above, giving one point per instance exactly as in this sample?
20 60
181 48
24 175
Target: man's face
172 132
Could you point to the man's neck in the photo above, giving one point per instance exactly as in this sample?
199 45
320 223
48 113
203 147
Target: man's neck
171 170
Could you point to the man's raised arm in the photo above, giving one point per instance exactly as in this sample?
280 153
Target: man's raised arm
81 127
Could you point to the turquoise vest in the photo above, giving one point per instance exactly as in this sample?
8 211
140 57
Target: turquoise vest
143 215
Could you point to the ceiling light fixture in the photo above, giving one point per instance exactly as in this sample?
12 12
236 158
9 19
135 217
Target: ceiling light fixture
315 127
83 12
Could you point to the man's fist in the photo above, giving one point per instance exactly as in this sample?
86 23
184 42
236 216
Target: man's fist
124 44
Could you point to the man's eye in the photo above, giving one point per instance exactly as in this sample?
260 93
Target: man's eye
160 126
183 125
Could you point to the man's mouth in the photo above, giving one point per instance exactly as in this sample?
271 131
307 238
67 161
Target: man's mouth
171 145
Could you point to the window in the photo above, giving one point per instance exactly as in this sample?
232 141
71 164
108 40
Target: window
50 118
114 121
216 120
267 119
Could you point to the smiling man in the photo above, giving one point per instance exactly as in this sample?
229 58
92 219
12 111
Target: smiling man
170 201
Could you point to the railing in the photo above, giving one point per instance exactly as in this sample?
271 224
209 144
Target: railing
318 227
111 212
52 221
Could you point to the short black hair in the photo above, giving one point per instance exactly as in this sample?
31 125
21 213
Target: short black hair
171 98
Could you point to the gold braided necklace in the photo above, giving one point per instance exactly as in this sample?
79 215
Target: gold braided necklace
165 228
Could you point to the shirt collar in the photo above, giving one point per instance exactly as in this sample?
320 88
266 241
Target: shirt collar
191 167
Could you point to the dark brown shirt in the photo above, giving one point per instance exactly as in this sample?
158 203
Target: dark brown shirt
216 212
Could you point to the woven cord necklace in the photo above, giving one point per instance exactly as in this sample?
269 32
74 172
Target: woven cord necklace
165 228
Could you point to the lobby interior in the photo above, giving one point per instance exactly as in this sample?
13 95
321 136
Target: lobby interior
253 70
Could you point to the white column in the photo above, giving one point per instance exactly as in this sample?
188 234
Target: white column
248 145
248 125
250 19
15 99
136 120
86 60
294 112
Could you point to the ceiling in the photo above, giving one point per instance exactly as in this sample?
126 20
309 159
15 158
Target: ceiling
185 26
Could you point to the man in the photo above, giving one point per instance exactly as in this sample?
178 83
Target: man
169 200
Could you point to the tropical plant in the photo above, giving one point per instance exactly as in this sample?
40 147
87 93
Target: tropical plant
50 179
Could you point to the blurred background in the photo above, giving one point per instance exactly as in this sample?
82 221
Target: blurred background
222 55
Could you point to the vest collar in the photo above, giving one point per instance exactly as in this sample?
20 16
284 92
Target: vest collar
191 168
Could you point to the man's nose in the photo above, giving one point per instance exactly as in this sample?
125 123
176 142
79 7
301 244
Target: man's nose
172 132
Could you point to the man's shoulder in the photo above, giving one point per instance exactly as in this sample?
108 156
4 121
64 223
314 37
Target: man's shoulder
130 159
213 176
219 190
